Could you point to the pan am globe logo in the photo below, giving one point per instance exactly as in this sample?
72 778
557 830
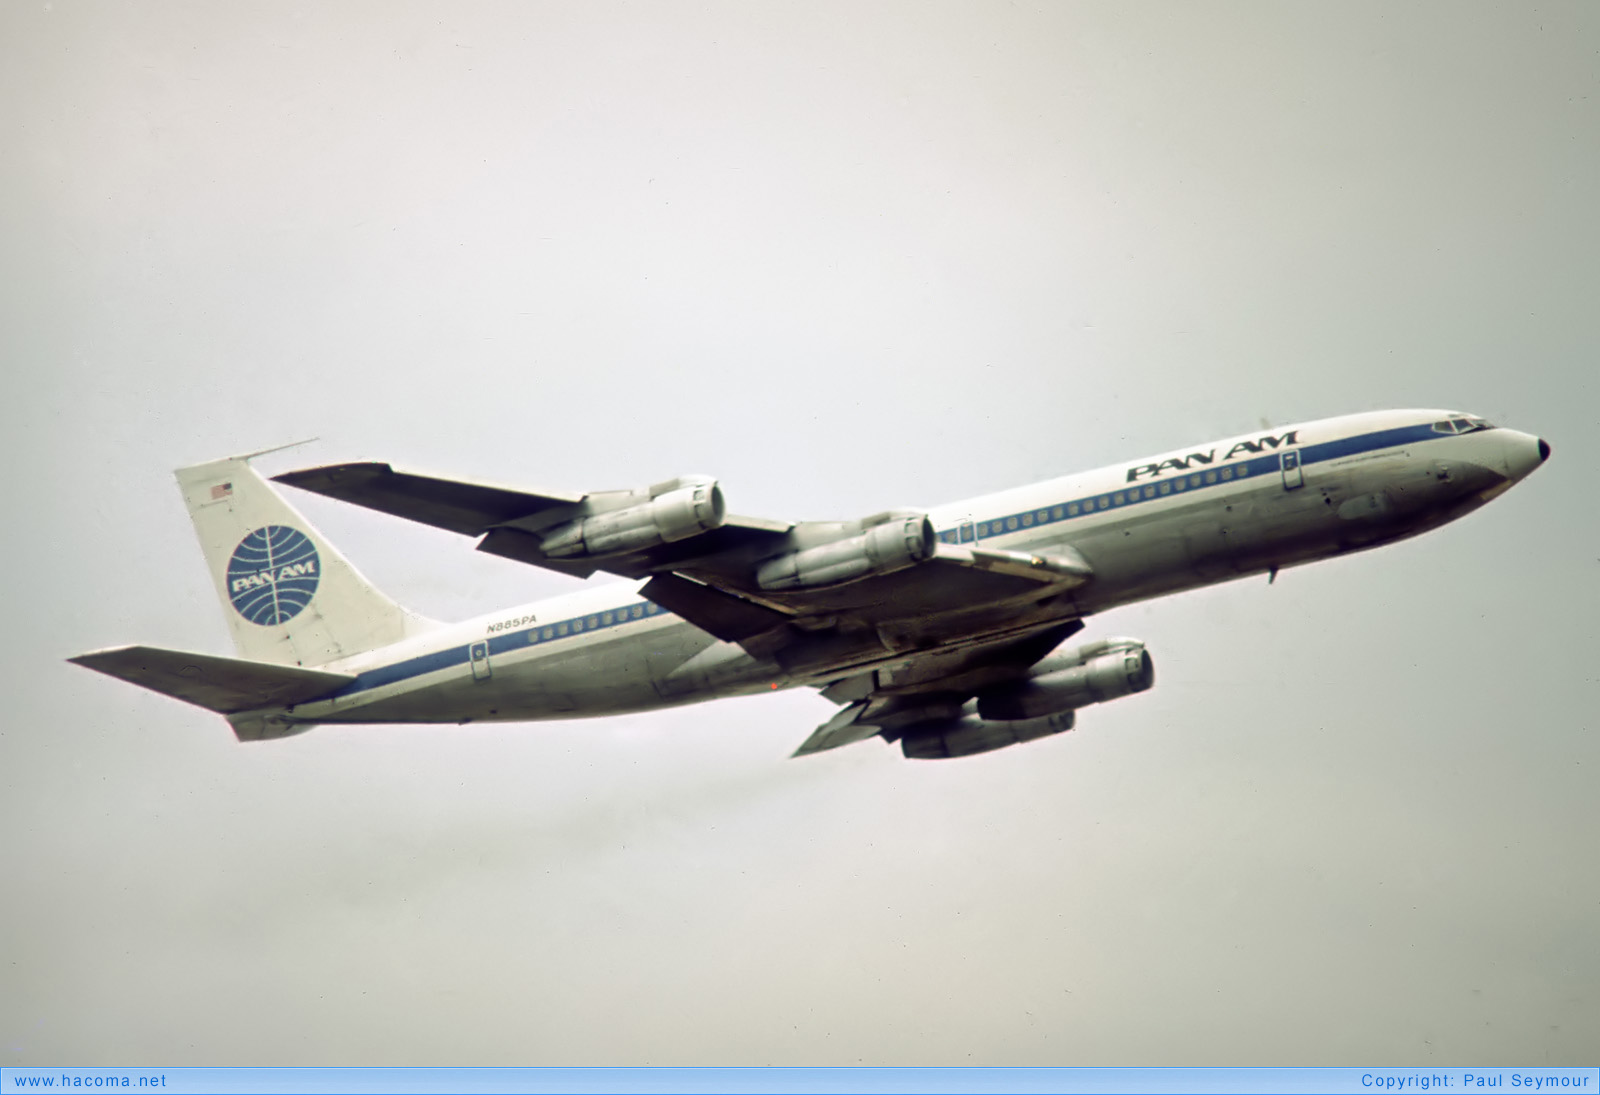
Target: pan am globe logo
272 575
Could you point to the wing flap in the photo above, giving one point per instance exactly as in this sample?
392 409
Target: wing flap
224 685
954 579
842 729
731 619
1065 568
932 685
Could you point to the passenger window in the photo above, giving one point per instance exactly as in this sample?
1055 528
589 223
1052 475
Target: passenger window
1227 473
1072 510
1211 477
1011 523
1165 488
1027 520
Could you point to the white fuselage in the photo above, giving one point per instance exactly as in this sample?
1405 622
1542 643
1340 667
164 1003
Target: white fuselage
1157 525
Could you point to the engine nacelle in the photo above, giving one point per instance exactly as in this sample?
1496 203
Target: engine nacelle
1066 681
686 507
882 549
970 735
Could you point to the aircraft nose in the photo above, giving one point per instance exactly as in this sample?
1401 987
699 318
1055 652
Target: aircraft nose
1523 452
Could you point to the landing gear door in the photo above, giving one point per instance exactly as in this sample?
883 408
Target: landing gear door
479 653
1290 462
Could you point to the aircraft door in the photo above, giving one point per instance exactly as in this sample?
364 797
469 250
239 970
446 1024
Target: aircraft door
479 653
1290 462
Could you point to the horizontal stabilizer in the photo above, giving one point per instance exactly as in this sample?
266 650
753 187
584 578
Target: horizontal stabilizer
224 685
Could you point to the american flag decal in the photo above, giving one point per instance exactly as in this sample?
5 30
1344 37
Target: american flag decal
221 490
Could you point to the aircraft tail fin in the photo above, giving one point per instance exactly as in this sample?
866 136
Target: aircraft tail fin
233 687
289 596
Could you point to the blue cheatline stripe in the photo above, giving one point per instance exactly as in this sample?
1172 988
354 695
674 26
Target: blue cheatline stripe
1188 482
1086 506
1368 442
540 634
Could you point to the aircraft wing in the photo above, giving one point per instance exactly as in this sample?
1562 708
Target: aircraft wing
808 594
468 508
511 521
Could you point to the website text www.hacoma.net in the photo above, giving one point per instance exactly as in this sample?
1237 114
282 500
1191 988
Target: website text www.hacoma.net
93 1080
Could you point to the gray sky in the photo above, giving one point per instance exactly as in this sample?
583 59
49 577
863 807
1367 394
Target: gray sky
844 257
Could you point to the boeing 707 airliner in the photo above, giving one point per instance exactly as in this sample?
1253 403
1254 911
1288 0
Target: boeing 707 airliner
945 629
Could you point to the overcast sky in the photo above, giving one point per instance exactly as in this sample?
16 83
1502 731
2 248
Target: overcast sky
844 257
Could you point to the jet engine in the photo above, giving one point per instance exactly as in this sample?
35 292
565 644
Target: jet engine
1067 680
882 549
970 735
675 510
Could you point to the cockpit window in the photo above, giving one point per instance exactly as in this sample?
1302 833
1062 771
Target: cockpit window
1462 424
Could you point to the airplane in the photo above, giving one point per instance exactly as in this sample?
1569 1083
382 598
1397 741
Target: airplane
946 630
